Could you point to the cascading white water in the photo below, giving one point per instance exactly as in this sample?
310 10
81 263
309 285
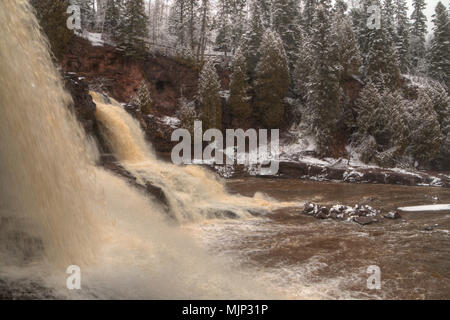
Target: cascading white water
44 155
50 190
193 192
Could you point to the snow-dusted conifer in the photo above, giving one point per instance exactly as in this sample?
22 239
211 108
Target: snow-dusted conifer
309 8
239 89
418 33
382 65
272 80
111 27
285 23
134 28
253 38
210 104
303 68
348 48
425 130
402 41
382 127
325 94
187 115
143 98
224 28
440 46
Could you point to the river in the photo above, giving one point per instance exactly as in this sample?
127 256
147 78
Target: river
328 259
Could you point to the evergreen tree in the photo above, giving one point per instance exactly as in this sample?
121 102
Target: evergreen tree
210 104
340 7
238 22
418 33
156 20
192 11
360 17
134 28
187 115
309 9
440 46
425 130
52 18
272 80
440 101
204 18
285 18
347 43
239 89
382 134
112 20
382 64
303 68
143 99
402 41
389 19
224 28
253 38
325 95
266 12
178 22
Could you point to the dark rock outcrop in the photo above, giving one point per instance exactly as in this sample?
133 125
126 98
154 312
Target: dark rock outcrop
303 170
83 105
148 187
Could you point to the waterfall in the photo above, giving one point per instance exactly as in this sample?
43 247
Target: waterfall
44 153
58 209
193 192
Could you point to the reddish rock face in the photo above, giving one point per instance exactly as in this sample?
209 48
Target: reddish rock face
120 76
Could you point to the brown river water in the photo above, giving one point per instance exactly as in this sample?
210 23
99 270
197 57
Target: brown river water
328 259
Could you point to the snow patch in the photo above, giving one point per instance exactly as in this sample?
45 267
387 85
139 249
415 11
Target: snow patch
434 208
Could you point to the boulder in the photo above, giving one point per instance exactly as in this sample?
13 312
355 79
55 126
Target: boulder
393 215
310 209
364 221
323 213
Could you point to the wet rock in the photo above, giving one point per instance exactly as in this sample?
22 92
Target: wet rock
149 188
364 221
25 290
226 214
258 212
364 211
323 213
353 176
361 214
158 193
340 212
83 105
393 215
159 133
431 228
310 209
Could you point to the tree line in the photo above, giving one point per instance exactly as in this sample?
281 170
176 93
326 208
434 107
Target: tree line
300 54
